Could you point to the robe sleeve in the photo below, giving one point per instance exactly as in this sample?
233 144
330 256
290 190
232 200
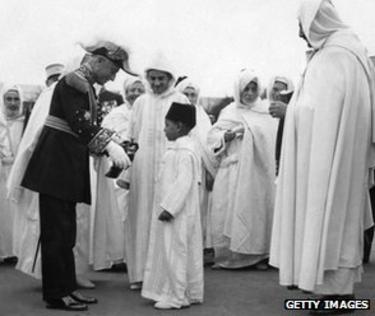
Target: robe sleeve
135 119
2 140
215 139
174 199
117 121
216 142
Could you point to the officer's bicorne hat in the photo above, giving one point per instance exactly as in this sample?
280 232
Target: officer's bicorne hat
116 54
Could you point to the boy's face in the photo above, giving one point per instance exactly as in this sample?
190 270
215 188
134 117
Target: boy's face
172 130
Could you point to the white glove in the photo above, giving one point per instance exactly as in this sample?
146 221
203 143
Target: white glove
118 155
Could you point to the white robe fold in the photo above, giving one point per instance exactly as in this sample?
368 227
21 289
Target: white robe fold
111 205
209 168
174 269
108 228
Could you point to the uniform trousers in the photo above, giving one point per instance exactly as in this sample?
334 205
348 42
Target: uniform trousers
57 238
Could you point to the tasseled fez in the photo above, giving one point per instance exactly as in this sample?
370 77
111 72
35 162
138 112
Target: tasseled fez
182 112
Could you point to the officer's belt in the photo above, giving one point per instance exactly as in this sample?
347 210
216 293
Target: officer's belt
59 124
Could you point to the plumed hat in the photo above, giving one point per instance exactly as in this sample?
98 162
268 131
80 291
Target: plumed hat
116 54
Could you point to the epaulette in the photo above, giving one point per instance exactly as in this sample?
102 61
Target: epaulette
77 81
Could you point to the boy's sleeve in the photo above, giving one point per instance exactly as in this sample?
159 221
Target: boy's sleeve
174 200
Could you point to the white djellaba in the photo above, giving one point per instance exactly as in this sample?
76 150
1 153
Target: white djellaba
243 192
174 271
146 129
322 206
11 128
111 207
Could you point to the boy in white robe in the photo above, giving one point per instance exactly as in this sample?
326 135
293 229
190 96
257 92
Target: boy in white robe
174 269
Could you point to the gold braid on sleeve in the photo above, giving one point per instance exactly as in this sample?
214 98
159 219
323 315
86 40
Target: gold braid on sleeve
100 141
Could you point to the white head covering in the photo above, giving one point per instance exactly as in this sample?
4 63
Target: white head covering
289 84
4 90
187 83
129 81
244 78
54 69
319 19
160 62
323 28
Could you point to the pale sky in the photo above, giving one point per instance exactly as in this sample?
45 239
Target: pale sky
209 40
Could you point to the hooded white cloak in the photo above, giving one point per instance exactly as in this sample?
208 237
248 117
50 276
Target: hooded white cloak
322 202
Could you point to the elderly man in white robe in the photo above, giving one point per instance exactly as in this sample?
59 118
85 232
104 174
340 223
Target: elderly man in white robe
112 197
243 140
322 205
11 128
146 129
209 163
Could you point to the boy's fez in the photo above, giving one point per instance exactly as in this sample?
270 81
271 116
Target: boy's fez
181 112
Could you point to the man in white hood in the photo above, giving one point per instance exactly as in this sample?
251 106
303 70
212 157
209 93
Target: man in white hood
146 129
322 206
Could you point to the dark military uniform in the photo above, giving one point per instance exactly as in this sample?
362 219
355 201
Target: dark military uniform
59 171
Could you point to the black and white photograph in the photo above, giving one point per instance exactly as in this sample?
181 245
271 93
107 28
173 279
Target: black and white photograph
190 158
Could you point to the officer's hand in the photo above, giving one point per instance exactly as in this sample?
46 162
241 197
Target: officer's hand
118 156
277 109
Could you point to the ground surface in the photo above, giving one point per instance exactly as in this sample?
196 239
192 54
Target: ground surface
227 293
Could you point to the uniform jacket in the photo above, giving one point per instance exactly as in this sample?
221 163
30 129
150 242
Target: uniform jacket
59 166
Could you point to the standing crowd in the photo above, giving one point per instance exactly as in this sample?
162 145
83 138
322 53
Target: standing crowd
156 183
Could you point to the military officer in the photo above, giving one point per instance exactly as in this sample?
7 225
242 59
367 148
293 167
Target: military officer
59 168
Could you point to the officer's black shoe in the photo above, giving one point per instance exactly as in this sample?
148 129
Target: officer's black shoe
66 303
83 299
